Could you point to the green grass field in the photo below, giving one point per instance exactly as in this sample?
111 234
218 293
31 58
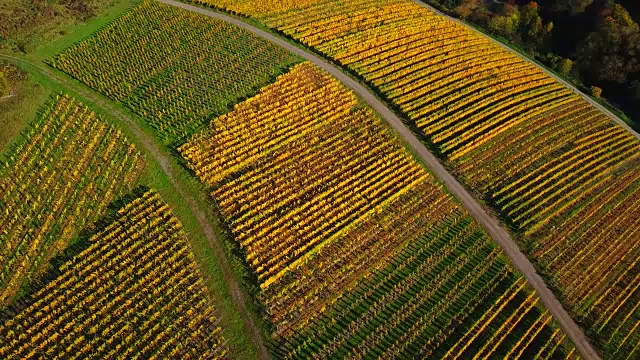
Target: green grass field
16 110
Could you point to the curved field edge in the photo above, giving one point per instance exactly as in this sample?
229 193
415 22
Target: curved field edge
214 267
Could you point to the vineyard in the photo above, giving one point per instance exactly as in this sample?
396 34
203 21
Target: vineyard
272 164
450 294
550 163
342 227
58 177
284 195
136 292
175 68
357 250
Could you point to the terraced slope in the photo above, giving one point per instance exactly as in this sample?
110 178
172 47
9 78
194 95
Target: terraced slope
175 68
135 292
59 176
554 166
323 199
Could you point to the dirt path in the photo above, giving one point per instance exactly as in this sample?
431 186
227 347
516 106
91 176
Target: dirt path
8 96
168 165
491 224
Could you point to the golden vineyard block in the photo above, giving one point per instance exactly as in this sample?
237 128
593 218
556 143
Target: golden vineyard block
59 177
136 291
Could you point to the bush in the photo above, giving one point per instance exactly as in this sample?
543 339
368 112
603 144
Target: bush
559 64
564 66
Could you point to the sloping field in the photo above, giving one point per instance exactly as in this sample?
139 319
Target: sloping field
135 292
553 165
57 178
174 68
301 148
446 295
357 250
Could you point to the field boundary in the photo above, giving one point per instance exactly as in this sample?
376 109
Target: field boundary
475 209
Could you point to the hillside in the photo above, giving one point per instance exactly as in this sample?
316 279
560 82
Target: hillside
526 144
304 179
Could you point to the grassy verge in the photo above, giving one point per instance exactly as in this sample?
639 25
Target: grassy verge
231 322
75 32
16 111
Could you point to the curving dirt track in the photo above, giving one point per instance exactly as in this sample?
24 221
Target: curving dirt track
168 165
491 224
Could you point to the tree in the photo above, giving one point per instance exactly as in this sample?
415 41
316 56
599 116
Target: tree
507 23
561 65
530 20
565 66
596 92
532 31
612 53
466 8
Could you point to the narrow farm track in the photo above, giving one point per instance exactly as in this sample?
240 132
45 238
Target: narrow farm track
490 223
8 96
557 78
168 167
